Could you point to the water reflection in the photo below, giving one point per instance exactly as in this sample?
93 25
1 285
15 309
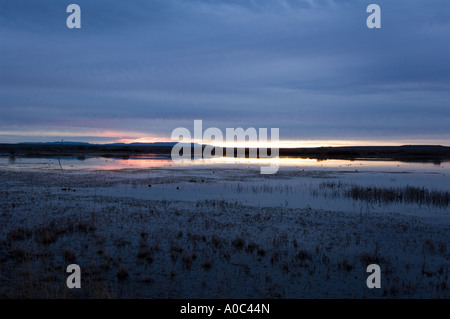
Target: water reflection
158 161
12 159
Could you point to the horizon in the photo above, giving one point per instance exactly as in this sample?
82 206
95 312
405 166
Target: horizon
281 145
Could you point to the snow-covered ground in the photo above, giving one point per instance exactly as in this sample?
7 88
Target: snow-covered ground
153 229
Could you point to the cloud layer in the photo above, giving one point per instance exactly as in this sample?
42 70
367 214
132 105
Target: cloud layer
142 68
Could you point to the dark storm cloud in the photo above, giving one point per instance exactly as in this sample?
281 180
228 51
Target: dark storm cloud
312 68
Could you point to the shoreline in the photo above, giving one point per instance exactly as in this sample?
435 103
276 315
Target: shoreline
407 153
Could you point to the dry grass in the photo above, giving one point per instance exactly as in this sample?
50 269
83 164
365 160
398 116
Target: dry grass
70 255
408 194
127 247
207 264
17 234
387 195
122 273
238 242
188 259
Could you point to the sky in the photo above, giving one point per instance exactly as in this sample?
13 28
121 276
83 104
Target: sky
137 70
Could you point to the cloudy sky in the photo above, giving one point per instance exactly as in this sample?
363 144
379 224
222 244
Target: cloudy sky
138 69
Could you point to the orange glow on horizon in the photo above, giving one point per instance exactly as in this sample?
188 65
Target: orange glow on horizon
329 143
143 140
115 136
289 143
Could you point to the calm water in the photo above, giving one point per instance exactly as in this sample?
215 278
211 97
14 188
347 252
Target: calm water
239 180
156 161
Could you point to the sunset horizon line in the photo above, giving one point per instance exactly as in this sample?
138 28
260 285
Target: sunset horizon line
280 144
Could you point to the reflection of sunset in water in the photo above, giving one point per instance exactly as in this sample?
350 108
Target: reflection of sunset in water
157 161
136 163
314 163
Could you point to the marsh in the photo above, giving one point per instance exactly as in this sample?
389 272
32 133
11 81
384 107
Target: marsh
152 229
